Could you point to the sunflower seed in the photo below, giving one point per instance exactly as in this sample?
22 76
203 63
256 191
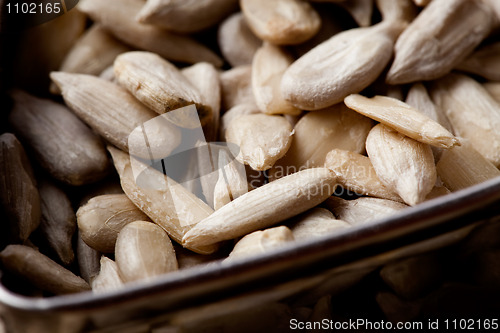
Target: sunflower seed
461 167
18 192
185 16
493 88
263 207
362 210
108 278
281 21
314 223
157 83
268 66
329 72
102 218
237 42
40 271
232 182
62 143
204 77
92 53
118 16
236 87
360 10
402 164
402 118
355 172
165 202
397 10
144 251
261 241
439 39
474 114
317 133
484 62
263 139
234 113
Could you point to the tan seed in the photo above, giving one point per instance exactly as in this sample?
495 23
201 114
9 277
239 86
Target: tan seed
461 167
234 113
157 83
144 251
329 72
108 278
363 210
263 207
88 260
484 62
261 241
493 89
404 165
185 17
102 218
403 118
281 21
118 16
268 66
92 53
355 172
236 87
474 114
397 10
360 10
262 139
165 202
315 223
439 39
317 133
232 182
237 42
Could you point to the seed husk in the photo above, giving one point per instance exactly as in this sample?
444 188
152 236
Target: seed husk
118 17
108 278
102 218
314 223
473 113
404 165
100 104
165 202
236 87
282 21
157 83
484 62
402 118
438 39
144 251
264 206
329 72
58 221
88 260
92 53
362 210
18 191
205 78
268 66
41 271
185 17
261 241
317 133
263 139
464 166
236 41
355 172
62 143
